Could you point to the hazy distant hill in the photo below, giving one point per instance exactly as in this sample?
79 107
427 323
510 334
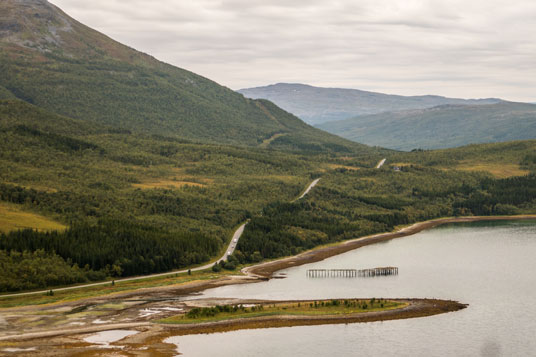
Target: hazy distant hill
52 61
442 126
317 105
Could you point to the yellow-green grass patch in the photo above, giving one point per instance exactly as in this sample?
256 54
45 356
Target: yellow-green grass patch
13 218
283 178
267 142
61 296
166 184
399 164
112 306
499 170
338 166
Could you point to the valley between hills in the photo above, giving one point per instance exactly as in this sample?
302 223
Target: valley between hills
115 166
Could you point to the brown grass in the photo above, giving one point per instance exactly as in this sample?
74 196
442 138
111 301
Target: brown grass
13 217
267 142
166 184
338 166
400 164
284 178
497 170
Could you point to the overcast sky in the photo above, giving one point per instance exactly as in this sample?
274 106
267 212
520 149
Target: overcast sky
457 48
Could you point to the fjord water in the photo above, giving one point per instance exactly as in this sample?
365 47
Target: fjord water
489 265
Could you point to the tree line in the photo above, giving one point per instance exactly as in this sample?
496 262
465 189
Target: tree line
110 248
332 214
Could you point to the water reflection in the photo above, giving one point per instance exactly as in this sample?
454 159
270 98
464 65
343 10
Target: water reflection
490 266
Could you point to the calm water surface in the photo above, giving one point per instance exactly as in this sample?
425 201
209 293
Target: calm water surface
491 266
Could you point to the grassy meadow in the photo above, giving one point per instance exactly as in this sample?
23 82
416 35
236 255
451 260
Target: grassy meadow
13 218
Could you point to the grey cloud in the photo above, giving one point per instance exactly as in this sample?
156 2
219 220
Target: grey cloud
463 48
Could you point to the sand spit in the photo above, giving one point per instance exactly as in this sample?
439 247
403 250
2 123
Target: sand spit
150 339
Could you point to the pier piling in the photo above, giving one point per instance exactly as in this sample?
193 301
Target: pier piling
351 273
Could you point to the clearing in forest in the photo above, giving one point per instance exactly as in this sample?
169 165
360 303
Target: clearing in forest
13 217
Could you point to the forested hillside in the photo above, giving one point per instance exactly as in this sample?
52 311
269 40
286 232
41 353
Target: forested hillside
441 127
142 167
353 203
158 191
137 204
52 61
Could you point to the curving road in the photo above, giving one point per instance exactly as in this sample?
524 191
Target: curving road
230 249
380 164
311 185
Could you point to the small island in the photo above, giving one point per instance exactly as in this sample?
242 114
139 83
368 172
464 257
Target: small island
277 309
263 314
140 326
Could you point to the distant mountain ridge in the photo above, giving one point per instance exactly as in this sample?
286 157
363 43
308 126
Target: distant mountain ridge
54 62
441 127
316 105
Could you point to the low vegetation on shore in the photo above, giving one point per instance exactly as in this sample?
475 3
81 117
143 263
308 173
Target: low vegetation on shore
333 312
204 279
302 308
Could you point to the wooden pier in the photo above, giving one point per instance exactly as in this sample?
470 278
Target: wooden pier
351 273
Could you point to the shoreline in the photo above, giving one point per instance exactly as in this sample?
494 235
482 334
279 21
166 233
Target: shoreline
150 338
416 308
254 274
266 270
155 334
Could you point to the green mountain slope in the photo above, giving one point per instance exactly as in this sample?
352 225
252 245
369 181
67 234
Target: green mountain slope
5 94
54 62
16 113
316 105
441 127
136 204
135 158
